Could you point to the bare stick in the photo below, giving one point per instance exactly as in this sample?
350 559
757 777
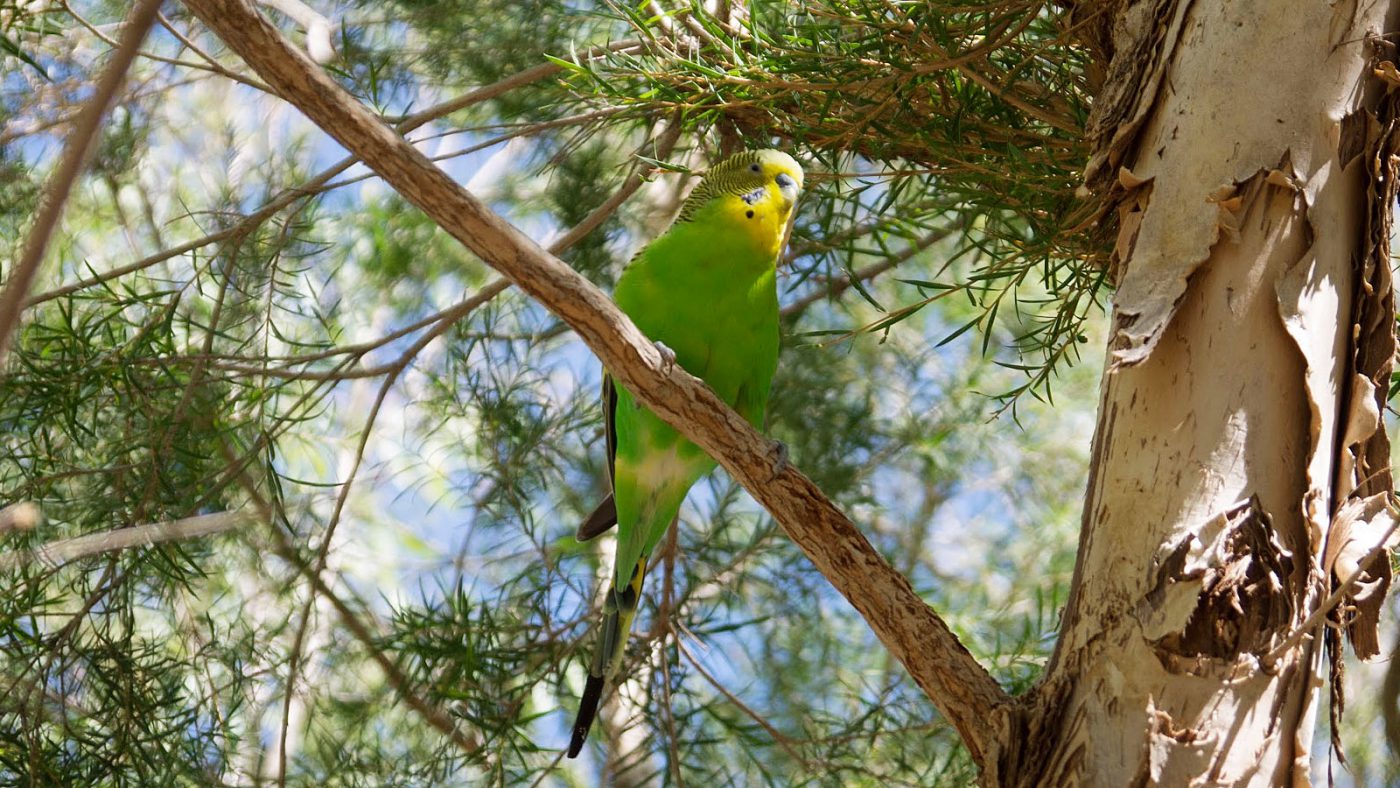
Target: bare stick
776 735
435 716
208 64
63 551
841 284
961 688
1338 595
75 155
322 181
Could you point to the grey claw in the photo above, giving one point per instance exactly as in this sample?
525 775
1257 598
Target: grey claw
668 358
780 458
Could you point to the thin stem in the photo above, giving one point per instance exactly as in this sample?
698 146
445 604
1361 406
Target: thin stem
282 545
75 154
951 677
61 552
1338 595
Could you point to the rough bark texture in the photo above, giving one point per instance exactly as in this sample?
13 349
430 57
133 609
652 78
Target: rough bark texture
1239 467
1239 412
960 687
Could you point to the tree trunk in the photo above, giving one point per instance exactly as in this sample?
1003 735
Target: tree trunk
1240 477
1239 145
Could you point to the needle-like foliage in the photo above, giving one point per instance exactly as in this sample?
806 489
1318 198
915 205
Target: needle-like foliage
234 319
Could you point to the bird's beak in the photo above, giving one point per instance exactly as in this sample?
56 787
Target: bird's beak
787 186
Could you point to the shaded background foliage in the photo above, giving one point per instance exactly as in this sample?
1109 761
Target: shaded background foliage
220 327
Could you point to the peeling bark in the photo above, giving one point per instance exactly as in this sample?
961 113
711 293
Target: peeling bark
1239 477
1364 483
1231 591
1239 465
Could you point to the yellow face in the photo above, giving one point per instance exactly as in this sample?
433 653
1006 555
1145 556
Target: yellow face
765 210
754 192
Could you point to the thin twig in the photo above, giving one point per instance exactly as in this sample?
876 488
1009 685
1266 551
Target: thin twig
942 666
507 84
323 556
778 736
75 155
401 684
205 56
663 623
209 65
1334 599
841 284
322 179
57 553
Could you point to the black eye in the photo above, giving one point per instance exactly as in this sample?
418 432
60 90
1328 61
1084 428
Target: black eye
755 167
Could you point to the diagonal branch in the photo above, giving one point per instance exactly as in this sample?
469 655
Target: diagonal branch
845 282
961 688
590 222
323 180
65 550
75 154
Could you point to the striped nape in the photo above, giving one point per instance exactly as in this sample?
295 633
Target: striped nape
734 175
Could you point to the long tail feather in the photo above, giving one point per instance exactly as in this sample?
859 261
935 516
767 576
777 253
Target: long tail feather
621 608
587 710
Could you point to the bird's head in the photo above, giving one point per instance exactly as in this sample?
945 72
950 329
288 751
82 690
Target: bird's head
754 191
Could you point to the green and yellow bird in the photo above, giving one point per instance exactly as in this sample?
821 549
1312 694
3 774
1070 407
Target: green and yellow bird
706 292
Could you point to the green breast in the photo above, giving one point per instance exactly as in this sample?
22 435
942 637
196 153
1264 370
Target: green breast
712 299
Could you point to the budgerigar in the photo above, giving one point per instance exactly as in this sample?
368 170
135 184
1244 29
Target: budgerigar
706 292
